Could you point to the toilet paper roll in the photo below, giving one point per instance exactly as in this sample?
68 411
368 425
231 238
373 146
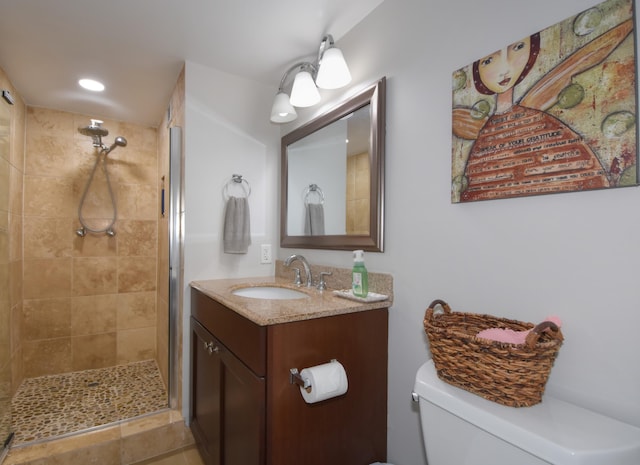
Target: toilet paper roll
327 381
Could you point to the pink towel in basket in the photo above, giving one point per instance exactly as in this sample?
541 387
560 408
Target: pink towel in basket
509 335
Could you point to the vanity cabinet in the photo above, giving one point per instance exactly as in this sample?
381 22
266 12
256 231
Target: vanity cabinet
245 410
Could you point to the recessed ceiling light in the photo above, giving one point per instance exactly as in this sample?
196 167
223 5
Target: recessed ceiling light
91 84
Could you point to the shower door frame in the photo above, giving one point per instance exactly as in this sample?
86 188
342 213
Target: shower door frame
176 246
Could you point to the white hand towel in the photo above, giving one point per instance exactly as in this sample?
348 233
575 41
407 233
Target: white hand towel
314 220
237 232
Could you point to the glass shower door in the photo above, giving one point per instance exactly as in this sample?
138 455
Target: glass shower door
5 301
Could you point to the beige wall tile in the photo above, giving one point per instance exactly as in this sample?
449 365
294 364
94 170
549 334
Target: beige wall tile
47 121
5 283
93 314
95 245
16 282
136 310
93 351
16 191
95 275
49 197
138 238
97 202
47 237
48 155
5 335
15 233
4 246
137 201
136 167
47 278
46 357
135 345
4 182
46 319
4 218
136 274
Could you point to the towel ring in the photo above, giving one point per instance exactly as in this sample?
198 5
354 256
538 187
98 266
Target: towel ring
311 190
237 179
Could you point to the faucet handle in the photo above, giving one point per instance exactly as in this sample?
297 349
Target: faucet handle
322 285
297 280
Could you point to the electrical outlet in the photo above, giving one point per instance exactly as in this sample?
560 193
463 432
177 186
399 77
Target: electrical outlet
265 256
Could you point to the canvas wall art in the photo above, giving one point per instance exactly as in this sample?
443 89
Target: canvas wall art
553 112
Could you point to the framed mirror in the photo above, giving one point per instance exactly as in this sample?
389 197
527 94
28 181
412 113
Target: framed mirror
332 180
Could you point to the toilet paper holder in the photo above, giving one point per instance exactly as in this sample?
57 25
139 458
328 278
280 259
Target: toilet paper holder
295 378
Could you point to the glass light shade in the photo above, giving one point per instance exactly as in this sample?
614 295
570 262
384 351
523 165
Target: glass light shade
334 72
304 92
282 111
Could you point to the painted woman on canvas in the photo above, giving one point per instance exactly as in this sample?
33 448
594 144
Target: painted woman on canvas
521 149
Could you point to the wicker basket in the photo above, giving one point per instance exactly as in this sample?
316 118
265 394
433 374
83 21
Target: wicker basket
509 374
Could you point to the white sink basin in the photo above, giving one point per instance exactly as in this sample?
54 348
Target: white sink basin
269 293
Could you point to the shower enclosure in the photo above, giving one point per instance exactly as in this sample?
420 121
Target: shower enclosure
95 304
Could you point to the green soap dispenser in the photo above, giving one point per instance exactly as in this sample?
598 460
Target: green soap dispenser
359 277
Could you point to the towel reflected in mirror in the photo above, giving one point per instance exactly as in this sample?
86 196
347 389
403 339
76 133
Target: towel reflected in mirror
314 219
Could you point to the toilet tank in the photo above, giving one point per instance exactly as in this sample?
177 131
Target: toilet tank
461 428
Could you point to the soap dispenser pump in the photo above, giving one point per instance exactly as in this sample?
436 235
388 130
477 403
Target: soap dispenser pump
360 278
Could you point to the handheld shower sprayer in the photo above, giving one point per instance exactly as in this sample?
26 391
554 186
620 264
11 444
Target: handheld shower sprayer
118 142
97 132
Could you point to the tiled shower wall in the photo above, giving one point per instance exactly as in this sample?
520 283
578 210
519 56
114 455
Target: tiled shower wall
358 194
88 302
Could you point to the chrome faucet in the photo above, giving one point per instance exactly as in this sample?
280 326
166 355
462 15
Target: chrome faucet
305 265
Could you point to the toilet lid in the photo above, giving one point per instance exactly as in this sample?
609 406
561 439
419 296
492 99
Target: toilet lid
554 430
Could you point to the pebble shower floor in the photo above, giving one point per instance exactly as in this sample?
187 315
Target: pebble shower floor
56 405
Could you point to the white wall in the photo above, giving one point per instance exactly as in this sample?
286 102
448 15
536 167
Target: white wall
574 255
227 132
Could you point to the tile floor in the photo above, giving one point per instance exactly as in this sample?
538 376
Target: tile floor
58 405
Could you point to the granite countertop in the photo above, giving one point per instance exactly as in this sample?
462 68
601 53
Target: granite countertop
266 312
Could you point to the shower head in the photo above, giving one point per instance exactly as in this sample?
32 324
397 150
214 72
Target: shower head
94 129
119 142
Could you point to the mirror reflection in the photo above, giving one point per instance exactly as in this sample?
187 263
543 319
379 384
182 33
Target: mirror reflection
332 177
329 170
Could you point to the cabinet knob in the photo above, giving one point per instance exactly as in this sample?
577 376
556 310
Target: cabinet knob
211 348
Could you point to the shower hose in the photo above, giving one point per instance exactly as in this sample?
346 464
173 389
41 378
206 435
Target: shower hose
100 160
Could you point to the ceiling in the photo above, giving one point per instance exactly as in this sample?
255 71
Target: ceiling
137 47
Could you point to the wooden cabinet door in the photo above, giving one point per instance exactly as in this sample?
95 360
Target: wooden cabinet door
243 413
206 394
228 404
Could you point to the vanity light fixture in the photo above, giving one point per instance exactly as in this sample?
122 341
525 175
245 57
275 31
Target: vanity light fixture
329 71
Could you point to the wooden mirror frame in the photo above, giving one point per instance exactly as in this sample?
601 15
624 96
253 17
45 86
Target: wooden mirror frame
375 96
